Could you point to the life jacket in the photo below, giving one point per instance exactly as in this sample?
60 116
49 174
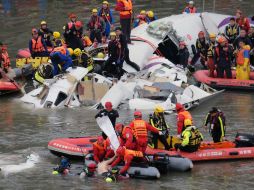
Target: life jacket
186 115
139 128
95 21
191 10
124 133
60 49
45 34
242 23
133 153
210 52
87 41
232 31
6 60
105 15
128 5
37 45
196 137
240 57
217 50
201 46
100 148
70 25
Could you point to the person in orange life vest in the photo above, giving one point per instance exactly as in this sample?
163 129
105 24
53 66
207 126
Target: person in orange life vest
223 58
182 115
251 37
141 19
190 8
140 129
124 7
126 136
126 155
106 13
210 54
150 16
243 62
73 18
37 45
87 41
242 21
45 33
96 26
4 59
102 150
74 37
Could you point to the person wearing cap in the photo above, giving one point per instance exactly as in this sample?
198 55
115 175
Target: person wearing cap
210 54
64 166
201 48
183 54
191 138
190 8
157 120
217 121
82 57
67 28
116 56
242 21
251 37
106 13
45 33
102 150
124 7
150 16
37 45
182 115
141 19
140 129
121 37
223 58
96 26
232 30
126 136
110 112
57 41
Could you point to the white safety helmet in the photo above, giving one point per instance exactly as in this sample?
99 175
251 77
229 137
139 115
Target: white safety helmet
191 2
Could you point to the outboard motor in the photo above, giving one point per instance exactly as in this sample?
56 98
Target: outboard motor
244 140
161 162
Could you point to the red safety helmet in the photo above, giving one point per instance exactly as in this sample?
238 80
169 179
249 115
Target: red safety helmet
119 127
120 151
179 106
72 15
100 140
78 24
137 114
108 105
222 39
92 167
201 34
182 43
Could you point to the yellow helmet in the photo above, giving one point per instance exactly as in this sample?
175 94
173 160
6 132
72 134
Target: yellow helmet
77 52
158 109
43 22
112 34
212 35
150 14
100 55
56 35
94 11
187 122
143 12
105 2
70 51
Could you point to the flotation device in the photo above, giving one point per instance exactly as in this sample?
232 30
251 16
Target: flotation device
6 60
25 53
202 76
128 6
37 45
8 87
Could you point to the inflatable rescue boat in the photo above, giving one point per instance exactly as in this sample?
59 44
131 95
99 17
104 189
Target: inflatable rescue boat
8 87
202 76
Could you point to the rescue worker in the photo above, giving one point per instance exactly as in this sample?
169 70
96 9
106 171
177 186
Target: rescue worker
190 8
37 45
201 48
124 45
242 21
83 58
217 121
126 136
141 19
44 71
5 63
96 26
242 37
150 16
223 58
110 112
89 170
126 155
125 10
102 150
183 54
210 55
45 33
116 56
157 120
106 13
64 166
140 129
182 115
243 62
57 41
191 138
61 59
251 37
232 31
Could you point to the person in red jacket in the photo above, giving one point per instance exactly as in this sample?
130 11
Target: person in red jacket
126 136
242 21
125 10
182 115
101 150
140 129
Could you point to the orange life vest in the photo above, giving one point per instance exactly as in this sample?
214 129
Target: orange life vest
87 41
133 153
128 6
100 148
37 45
139 128
240 57
60 49
125 130
6 60
70 24
186 115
